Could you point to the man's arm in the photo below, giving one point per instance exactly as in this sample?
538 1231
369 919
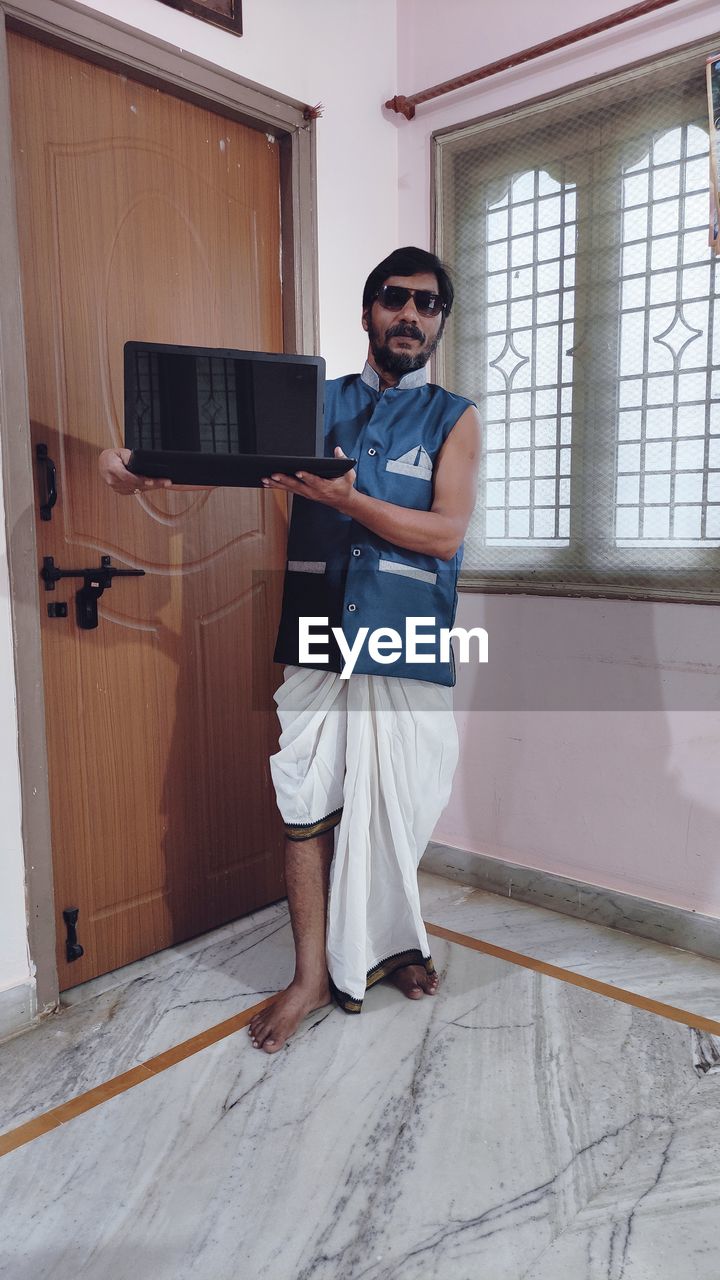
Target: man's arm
437 532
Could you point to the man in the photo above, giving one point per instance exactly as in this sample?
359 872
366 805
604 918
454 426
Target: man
365 764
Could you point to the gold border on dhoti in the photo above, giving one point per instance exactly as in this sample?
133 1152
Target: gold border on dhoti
306 830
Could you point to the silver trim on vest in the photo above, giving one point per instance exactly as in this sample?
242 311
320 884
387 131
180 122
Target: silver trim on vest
407 571
306 566
408 382
416 463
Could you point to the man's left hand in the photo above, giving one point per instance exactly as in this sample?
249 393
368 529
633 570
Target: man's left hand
337 493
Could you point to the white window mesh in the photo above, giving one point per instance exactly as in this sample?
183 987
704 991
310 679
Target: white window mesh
587 328
530 264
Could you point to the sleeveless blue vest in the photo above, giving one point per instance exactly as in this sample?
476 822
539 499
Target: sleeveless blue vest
337 569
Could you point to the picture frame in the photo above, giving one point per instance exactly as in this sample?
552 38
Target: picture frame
221 13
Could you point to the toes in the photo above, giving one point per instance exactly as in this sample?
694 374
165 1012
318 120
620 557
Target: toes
428 981
270 1041
415 982
264 1036
258 1032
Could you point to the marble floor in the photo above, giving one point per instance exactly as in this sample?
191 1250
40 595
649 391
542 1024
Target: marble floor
646 968
514 1127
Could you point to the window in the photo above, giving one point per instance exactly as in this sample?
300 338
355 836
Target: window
587 328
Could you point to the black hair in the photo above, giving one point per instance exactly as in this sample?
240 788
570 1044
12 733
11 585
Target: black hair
410 261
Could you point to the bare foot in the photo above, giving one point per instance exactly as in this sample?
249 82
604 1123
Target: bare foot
273 1026
414 981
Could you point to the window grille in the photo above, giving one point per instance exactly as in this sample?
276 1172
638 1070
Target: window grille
217 406
212 385
587 328
145 383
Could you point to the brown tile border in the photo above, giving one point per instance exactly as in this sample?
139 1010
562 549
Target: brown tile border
32 1129
58 1116
579 980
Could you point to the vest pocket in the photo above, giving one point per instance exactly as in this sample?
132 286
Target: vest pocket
407 571
306 566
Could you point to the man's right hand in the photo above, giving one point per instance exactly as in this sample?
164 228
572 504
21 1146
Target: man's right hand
113 469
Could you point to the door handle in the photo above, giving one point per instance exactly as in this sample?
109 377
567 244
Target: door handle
95 581
73 950
50 480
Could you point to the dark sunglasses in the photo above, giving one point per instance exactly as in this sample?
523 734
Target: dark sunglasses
393 297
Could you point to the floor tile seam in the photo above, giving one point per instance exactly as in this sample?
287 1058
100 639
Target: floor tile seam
570 976
44 1123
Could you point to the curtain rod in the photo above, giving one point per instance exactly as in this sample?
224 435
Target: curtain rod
406 106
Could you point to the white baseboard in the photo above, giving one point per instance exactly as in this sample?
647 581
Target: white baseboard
673 926
18 1008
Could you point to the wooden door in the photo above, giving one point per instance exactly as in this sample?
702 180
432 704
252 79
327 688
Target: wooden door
144 217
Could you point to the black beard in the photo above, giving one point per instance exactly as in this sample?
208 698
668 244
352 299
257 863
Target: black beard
400 362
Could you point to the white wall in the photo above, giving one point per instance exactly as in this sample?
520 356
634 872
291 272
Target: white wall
591 742
14 959
317 51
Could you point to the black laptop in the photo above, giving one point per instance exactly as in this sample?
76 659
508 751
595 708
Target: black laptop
206 415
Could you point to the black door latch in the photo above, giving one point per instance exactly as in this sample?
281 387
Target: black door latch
73 950
95 581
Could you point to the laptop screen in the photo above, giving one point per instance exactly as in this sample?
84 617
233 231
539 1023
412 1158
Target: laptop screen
210 400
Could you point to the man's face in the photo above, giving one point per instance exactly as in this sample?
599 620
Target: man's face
401 341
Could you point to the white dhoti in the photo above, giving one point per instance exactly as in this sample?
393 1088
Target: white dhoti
372 757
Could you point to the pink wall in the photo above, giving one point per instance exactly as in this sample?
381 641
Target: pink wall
589 746
591 741
475 32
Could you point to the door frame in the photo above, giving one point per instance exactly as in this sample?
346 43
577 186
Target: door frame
97 38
